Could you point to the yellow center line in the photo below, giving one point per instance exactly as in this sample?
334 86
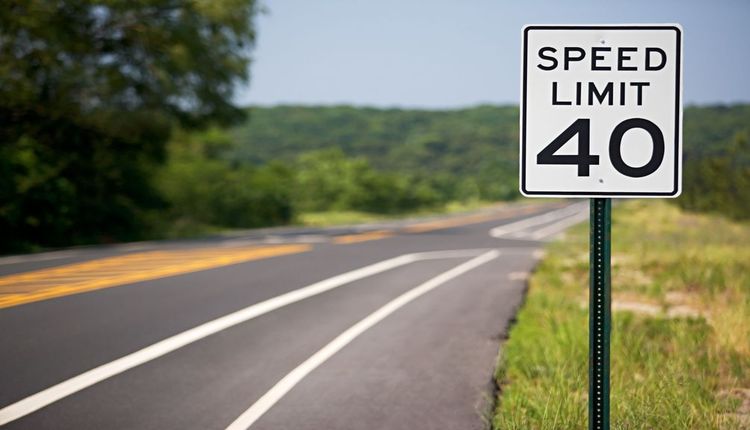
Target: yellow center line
436 225
362 237
127 269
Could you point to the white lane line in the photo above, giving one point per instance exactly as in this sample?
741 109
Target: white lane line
507 229
59 391
288 382
451 253
559 226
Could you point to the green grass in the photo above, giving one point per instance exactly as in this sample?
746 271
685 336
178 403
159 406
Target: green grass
327 218
186 228
683 367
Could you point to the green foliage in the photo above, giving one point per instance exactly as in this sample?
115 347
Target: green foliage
75 187
89 91
716 174
720 182
327 179
202 190
390 161
209 192
683 367
472 151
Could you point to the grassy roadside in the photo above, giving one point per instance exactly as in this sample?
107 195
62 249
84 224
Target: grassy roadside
681 327
190 229
329 218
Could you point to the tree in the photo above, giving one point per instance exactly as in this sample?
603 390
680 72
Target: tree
720 182
89 92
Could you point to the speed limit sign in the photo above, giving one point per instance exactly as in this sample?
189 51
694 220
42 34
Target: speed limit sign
601 111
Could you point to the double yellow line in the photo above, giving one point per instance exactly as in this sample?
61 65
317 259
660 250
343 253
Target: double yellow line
131 268
126 269
362 237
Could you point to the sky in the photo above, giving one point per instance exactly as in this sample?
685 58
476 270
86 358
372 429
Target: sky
439 54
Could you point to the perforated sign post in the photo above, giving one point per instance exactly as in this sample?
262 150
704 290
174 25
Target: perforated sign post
601 117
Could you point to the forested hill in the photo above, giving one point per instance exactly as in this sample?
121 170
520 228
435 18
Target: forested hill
464 141
711 130
480 145
285 161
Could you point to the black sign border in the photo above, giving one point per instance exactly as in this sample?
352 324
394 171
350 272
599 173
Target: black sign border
676 188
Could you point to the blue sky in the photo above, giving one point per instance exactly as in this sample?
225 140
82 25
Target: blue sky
444 54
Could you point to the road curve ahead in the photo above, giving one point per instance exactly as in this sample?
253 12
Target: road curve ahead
389 326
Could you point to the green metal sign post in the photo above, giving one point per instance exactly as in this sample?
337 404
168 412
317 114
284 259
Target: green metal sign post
600 312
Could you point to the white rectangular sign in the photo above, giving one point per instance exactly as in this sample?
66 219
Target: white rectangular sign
601 111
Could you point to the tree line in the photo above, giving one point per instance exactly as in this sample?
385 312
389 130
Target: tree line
716 159
284 161
89 94
117 123
288 160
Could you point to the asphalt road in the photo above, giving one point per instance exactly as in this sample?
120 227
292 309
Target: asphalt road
389 326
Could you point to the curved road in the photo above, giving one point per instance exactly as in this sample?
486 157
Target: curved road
390 326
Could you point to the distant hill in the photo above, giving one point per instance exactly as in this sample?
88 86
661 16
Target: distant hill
711 130
478 145
458 141
461 141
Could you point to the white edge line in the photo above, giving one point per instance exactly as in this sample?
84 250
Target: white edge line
539 219
77 383
559 226
452 253
278 391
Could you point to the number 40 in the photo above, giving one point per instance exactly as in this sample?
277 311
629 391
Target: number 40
583 159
